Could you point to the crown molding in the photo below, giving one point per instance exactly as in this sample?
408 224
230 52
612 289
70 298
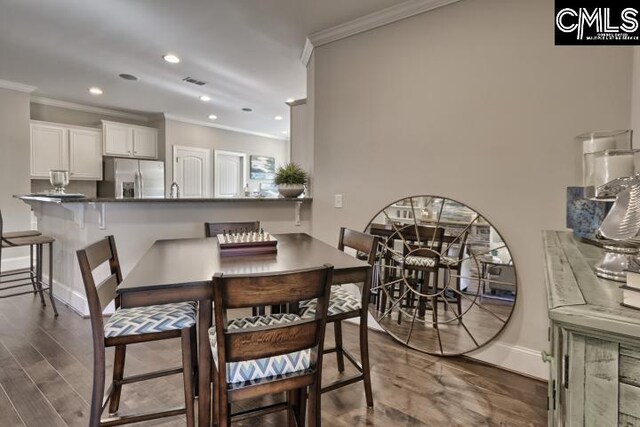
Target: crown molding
297 102
223 127
368 22
6 84
88 108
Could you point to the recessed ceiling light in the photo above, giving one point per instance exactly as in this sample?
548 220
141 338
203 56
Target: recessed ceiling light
170 58
128 77
289 100
277 118
212 117
247 109
95 91
284 132
205 98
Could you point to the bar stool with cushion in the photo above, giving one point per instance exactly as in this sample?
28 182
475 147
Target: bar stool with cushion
11 281
129 326
343 305
264 355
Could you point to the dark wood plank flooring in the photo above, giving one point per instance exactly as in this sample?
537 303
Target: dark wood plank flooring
45 380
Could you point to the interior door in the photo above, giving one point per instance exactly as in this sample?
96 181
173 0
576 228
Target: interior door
192 171
229 180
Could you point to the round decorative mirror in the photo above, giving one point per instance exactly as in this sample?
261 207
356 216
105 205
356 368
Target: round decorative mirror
444 279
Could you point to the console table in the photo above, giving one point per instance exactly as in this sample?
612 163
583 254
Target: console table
595 343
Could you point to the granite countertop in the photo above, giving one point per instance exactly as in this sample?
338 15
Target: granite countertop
49 199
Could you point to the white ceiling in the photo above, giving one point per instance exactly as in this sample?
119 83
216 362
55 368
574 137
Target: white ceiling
248 52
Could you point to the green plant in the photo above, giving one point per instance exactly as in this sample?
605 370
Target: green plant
290 173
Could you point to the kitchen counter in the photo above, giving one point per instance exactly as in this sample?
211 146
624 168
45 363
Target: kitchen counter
49 199
136 223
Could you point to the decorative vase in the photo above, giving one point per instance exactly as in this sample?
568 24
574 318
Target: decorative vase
290 190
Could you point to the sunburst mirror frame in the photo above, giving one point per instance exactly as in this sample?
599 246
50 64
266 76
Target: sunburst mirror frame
435 260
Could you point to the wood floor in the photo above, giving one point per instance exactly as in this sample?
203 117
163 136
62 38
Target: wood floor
45 380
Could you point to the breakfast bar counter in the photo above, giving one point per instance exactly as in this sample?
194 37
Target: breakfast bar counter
137 223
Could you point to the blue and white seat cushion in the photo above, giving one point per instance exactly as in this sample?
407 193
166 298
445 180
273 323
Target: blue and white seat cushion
151 319
341 301
267 367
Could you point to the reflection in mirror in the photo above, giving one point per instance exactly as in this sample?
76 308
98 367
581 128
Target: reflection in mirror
444 279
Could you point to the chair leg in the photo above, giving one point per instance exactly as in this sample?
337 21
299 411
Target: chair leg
364 357
314 404
187 375
97 392
39 273
193 337
292 404
302 407
118 374
339 351
53 303
32 273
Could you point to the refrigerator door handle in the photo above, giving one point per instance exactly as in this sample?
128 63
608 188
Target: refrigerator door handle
136 185
141 179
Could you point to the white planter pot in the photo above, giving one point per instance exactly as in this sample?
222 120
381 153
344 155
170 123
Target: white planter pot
290 190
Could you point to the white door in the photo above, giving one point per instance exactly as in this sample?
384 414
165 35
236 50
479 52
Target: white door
229 169
49 149
192 171
85 154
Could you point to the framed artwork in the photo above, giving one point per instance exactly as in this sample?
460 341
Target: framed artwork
262 168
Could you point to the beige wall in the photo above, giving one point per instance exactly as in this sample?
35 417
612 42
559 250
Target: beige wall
193 135
471 101
14 161
75 117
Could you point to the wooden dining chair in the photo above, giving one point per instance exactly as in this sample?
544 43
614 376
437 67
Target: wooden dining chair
212 229
343 305
11 281
129 326
264 355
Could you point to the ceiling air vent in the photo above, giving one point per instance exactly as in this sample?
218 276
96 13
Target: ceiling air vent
194 81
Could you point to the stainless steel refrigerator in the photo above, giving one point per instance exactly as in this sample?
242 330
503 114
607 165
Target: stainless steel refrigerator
131 178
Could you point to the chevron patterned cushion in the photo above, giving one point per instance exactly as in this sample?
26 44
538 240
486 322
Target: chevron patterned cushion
154 318
268 367
415 261
341 301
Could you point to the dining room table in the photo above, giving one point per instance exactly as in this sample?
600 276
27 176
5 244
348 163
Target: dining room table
178 270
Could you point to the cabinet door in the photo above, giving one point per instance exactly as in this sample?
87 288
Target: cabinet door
85 154
49 149
145 143
118 139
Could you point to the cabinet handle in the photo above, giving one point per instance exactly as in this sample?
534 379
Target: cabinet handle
546 357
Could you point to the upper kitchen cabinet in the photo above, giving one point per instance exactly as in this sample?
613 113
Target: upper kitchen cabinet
72 148
123 140
49 149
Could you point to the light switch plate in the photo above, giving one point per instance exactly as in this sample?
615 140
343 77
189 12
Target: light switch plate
337 203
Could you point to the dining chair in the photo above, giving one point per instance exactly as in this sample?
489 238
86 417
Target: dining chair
421 255
343 305
452 263
265 355
212 229
12 280
129 326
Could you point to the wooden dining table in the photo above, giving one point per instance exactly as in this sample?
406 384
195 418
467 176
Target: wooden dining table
178 270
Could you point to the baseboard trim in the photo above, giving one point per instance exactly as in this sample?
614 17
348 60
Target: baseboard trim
515 358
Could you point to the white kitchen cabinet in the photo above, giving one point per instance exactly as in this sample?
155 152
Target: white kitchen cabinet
57 146
49 149
118 139
145 142
123 140
85 154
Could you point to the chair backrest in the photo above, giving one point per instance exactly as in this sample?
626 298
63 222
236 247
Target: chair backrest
100 295
211 229
236 345
365 244
427 236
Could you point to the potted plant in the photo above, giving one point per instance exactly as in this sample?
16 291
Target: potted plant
290 180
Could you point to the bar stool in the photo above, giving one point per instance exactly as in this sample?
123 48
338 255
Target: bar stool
31 275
